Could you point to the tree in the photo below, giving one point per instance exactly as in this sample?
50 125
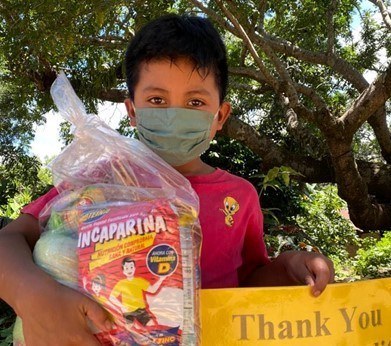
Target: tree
16 132
298 78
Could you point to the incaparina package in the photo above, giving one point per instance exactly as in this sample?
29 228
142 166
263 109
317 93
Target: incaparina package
123 230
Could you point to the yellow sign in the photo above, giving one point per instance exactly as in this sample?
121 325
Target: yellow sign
348 314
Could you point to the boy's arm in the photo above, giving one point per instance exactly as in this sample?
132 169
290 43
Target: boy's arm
115 301
52 314
155 287
295 268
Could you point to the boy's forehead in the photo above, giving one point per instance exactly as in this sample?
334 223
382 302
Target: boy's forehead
182 63
165 72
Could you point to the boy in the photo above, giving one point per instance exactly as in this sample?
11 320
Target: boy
131 290
176 74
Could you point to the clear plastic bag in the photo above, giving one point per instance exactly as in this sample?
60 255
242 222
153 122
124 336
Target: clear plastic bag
124 230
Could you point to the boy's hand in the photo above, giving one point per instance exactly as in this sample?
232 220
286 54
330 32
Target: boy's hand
310 268
294 268
58 316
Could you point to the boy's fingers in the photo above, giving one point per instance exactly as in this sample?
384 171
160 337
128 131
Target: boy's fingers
332 271
320 285
98 316
309 280
324 275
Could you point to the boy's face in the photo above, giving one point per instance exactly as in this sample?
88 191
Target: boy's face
128 269
166 84
96 287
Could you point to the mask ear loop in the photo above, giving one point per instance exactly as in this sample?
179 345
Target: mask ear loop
216 115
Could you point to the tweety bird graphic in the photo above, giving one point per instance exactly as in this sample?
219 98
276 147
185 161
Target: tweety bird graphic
231 206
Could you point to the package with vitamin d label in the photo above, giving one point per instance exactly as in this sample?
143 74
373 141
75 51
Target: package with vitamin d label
129 229
135 258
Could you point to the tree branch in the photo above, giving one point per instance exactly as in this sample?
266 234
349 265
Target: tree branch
339 65
364 212
110 42
378 122
262 7
252 89
113 95
330 27
212 14
271 80
272 155
384 12
285 82
369 101
377 176
308 92
248 72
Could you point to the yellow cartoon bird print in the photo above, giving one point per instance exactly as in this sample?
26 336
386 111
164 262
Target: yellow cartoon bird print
231 206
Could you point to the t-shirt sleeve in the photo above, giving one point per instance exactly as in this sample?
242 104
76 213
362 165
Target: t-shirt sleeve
117 289
35 207
145 284
254 252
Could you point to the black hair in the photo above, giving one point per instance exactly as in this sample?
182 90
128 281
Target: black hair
128 260
178 36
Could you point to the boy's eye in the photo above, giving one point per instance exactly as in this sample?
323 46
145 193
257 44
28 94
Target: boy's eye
156 100
196 103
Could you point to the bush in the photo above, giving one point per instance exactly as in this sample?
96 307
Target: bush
7 318
323 223
375 262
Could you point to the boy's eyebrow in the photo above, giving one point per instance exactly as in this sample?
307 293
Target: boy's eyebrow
154 89
200 91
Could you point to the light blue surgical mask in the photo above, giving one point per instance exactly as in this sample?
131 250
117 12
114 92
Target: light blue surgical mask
177 135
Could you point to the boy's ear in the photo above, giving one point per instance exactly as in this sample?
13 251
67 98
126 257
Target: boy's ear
223 115
131 111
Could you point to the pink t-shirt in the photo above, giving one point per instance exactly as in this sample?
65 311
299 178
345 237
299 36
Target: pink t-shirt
232 227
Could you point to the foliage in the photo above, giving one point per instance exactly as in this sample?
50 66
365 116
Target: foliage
320 227
297 100
311 220
278 177
306 45
311 45
12 209
15 134
14 175
243 163
280 196
375 261
7 318
298 97
24 192
323 222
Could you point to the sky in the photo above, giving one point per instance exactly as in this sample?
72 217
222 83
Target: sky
47 142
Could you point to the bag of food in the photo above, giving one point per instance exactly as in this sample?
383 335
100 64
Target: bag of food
124 230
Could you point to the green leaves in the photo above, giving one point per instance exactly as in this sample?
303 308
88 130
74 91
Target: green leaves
375 261
18 185
323 222
7 318
277 176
